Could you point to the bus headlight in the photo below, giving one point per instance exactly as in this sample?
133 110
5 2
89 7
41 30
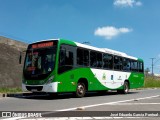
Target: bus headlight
50 80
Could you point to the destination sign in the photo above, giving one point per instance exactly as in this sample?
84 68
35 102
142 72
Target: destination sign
42 45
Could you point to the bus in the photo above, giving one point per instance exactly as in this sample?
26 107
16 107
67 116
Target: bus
60 66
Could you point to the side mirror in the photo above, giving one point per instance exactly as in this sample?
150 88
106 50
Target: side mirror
20 58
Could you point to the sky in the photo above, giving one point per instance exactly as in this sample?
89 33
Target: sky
130 26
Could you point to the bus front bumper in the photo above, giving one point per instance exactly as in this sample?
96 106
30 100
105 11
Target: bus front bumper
52 87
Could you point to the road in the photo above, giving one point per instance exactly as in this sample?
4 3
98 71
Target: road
136 100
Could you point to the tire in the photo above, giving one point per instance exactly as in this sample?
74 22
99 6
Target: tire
125 88
81 90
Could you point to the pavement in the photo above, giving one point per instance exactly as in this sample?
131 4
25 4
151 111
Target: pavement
94 106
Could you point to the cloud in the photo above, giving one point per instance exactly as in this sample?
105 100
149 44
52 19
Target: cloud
127 3
109 32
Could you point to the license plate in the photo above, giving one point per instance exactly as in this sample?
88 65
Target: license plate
34 90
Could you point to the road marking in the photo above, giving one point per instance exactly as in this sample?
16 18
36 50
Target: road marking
136 104
109 103
95 105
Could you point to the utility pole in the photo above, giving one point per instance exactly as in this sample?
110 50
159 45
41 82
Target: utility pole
152 64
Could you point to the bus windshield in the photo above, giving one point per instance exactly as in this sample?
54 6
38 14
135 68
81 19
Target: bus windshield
39 62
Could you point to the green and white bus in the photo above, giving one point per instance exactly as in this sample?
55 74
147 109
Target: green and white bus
58 66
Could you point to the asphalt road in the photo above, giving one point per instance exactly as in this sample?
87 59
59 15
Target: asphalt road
136 100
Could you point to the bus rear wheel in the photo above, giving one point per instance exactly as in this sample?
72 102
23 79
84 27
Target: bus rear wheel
125 89
81 90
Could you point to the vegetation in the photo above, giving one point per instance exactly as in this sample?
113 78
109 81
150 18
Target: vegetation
10 90
152 82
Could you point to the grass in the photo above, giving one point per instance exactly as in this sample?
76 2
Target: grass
10 90
152 82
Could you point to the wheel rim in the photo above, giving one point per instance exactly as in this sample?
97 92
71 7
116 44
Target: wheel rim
126 88
80 89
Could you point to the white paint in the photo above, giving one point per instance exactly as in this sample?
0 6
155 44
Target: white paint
116 82
109 103
52 87
136 104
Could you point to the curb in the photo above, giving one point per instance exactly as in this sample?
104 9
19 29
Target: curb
14 94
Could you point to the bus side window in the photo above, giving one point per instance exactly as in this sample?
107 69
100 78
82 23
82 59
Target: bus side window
99 60
86 58
107 61
65 59
140 67
134 66
93 59
116 63
69 58
126 64
82 57
96 59
79 56
120 63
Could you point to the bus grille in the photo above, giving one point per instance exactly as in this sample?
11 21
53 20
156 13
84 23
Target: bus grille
38 88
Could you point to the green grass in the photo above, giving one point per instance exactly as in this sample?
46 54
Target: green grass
152 82
10 90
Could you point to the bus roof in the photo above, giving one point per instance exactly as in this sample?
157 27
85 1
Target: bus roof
105 50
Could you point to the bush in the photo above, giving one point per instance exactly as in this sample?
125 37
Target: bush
10 90
152 82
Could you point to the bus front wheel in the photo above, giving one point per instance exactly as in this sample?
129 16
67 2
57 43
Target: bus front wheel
125 89
81 90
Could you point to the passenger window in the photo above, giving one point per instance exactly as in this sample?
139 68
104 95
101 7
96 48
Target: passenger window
93 59
82 57
99 60
107 61
134 66
96 59
126 64
117 63
140 66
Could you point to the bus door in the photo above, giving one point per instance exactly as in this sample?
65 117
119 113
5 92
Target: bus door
119 75
65 67
108 73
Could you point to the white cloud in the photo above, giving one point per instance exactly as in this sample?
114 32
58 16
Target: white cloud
138 3
127 3
109 31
